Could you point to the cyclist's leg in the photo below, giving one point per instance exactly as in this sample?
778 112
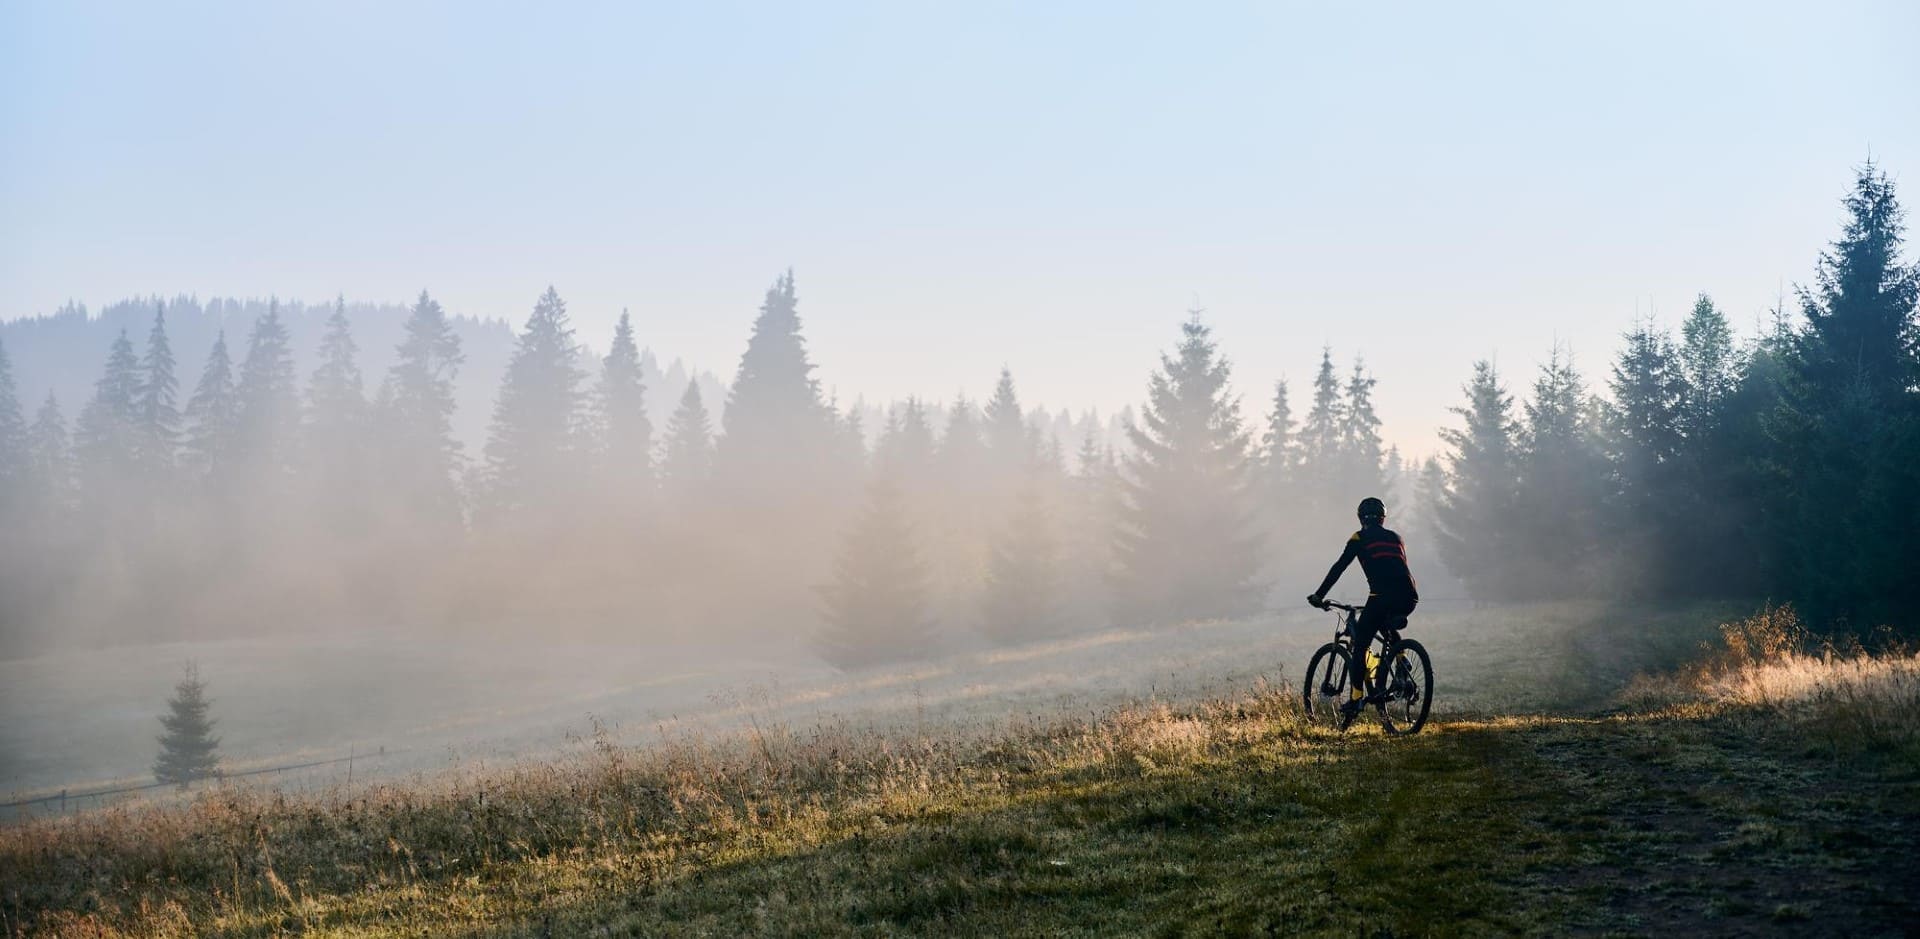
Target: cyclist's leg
1364 630
1394 610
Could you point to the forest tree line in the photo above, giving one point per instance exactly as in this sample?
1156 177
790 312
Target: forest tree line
253 500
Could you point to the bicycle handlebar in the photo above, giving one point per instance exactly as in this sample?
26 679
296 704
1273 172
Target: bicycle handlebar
1336 605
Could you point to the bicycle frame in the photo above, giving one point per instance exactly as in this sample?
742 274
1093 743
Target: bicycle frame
1383 639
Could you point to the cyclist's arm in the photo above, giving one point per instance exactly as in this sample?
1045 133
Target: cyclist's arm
1340 567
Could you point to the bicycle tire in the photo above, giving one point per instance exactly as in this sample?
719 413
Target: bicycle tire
1411 683
1325 687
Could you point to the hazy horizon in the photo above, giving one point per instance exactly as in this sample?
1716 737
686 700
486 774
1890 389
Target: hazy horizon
957 191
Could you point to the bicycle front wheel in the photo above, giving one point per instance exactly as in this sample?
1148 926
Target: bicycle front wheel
1327 682
1409 689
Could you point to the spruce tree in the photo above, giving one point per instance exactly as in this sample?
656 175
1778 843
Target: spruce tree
108 424
1289 507
1280 446
774 413
876 602
962 514
1393 471
1008 438
907 449
1646 444
626 436
963 450
13 435
1022 596
532 449
1475 512
1360 437
49 469
1092 514
1709 368
266 398
336 462
159 431
416 413
1324 429
1186 548
1323 496
1843 436
336 396
188 750
19 502
686 455
1563 485
1860 312
847 448
1429 490
213 415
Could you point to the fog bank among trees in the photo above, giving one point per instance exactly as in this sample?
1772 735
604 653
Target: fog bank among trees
258 488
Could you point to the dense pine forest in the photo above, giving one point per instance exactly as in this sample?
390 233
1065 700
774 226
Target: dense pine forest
250 499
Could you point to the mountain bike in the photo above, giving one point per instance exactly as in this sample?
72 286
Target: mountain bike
1399 675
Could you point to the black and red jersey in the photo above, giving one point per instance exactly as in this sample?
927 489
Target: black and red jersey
1383 556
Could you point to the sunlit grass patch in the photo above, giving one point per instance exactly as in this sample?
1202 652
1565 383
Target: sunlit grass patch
1839 693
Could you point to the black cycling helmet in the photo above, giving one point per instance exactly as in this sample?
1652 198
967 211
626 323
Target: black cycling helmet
1372 508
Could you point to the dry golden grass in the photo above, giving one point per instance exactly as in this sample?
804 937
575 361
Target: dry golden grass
1142 812
1840 693
236 859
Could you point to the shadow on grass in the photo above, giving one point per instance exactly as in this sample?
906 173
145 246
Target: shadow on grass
1533 825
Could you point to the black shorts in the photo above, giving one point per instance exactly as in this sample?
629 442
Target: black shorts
1382 611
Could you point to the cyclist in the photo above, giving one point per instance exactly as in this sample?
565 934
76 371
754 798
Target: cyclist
1391 592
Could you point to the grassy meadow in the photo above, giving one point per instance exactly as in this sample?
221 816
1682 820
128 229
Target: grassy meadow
1589 770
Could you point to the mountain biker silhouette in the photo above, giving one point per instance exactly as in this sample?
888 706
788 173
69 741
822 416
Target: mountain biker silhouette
1391 591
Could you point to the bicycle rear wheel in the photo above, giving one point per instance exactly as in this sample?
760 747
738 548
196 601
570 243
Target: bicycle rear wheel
1409 689
1327 682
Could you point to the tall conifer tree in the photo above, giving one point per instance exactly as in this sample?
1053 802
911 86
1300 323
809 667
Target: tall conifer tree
49 469
1022 596
1008 438
1709 368
1647 441
159 431
1324 429
417 406
1843 437
1186 548
626 436
266 397
876 602
1360 442
213 415
336 395
13 434
532 450
686 455
774 413
1563 485
108 424
1280 445
1475 511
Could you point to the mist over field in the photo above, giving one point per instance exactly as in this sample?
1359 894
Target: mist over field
864 470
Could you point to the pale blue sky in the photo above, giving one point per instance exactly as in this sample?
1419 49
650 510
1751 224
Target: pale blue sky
964 185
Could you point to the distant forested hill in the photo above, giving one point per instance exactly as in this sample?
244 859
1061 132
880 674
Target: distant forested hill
63 352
